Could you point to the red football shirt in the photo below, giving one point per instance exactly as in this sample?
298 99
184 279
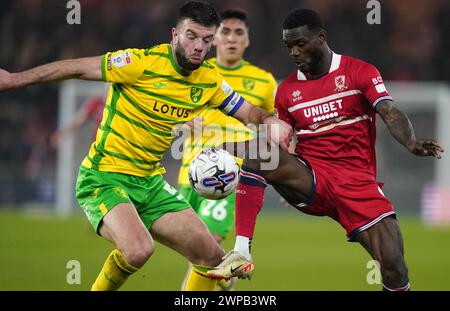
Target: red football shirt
334 115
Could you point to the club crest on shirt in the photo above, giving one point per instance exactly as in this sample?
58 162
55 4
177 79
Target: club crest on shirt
296 96
196 94
340 83
249 84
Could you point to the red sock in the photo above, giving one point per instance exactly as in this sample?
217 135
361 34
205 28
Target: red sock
249 201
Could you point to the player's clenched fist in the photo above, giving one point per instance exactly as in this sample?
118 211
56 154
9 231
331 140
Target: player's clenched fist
279 132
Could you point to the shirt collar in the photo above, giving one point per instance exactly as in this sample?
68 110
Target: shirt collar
335 62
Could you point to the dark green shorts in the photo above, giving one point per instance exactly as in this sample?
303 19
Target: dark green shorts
98 192
218 215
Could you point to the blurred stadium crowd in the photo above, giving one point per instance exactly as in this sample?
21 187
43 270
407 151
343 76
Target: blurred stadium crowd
409 44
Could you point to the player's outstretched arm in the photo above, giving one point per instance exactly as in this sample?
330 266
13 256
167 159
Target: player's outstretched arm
88 68
280 132
401 128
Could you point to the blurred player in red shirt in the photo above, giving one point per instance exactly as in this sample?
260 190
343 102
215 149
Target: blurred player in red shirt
91 110
331 101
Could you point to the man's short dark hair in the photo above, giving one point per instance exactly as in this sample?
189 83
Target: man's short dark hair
301 17
237 14
200 12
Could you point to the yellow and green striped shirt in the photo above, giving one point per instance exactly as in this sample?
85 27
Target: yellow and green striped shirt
150 95
256 85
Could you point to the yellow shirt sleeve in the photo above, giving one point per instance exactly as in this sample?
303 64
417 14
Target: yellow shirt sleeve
269 99
123 66
225 98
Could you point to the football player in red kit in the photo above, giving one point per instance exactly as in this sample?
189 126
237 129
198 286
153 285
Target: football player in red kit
331 101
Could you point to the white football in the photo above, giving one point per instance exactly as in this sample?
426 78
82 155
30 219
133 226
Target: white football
214 173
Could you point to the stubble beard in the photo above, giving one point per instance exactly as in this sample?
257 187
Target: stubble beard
184 62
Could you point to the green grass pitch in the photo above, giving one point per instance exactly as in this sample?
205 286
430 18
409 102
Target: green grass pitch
292 251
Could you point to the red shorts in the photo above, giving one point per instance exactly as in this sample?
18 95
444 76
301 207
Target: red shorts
352 198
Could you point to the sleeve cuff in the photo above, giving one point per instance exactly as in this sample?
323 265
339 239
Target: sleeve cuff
375 103
103 67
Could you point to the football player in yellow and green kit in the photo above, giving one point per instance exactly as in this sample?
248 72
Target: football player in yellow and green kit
120 185
255 85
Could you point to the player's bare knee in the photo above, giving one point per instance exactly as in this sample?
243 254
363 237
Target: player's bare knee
253 164
207 252
209 258
137 253
270 176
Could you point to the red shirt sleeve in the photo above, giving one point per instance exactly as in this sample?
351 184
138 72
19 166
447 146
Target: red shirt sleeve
281 108
371 84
